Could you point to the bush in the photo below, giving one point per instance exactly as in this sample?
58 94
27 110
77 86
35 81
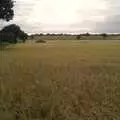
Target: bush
40 41
78 37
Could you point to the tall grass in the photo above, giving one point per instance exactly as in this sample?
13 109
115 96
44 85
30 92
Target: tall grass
60 83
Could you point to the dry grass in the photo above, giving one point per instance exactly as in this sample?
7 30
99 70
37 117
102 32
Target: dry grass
60 80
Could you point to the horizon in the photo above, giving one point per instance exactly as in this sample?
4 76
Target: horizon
73 33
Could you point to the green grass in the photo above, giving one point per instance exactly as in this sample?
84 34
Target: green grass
60 80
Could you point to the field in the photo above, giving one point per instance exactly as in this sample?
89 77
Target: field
60 80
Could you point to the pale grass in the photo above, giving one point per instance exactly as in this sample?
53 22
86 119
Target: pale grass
60 80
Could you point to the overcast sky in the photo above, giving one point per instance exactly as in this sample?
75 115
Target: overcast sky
67 16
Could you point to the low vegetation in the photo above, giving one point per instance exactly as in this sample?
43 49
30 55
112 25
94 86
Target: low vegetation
40 41
86 36
60 80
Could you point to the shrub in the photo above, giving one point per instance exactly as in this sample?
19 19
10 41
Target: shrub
40 41
78 37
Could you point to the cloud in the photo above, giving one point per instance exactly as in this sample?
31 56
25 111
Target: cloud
60 15
35 16
101 20
112 22
111 25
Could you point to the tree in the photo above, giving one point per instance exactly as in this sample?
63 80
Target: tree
78 37
22 35
6 10
104 35
6 38
12 28
86 34
11 32
15 31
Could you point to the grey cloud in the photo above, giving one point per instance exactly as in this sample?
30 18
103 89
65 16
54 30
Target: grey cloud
85 26
111 25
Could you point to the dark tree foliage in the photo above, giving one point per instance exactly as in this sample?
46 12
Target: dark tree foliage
78 37
6 9
7 38
22 35
85 34
12 28
104 35
14 31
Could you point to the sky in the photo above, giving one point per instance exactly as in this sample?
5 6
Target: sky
67 16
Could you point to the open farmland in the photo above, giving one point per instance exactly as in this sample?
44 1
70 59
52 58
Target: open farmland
60 80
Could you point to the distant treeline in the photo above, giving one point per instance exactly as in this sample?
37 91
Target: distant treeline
84 36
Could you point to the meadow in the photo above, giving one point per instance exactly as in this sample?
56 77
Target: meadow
60 80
